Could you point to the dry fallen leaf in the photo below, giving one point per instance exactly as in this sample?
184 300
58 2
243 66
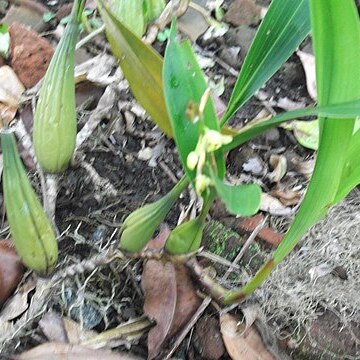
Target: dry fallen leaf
207 338
10 92
242 345
159 285
60 351
279 165
308 62
187 301
10 87
273 206
11 270
19 303
287 197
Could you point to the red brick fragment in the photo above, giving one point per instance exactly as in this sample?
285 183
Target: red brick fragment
266 234
30 54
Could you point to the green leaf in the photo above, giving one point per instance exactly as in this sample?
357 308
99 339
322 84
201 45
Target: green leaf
130 14
243 200
184 83
336 41
286 24
342 110
141 66
48 16
153 9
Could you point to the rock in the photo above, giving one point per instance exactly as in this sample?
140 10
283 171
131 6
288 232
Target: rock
243 12
208 339
29 13
30 54
254 165
272 136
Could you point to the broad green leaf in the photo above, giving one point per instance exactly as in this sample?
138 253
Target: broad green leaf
351 173
141 66
130 14
286 24
153 8
243 200
184 84
341 111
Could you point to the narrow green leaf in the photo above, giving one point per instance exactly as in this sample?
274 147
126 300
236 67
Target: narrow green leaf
286 24
342 110
243 200
130 14
141 66
184 83
337 46
351 173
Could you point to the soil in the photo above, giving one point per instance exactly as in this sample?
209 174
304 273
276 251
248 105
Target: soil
88 217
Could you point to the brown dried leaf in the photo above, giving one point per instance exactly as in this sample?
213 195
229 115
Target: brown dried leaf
158 242
60 351
279 165
240 345
207 338
187 301
287 197
18 303
11 270
7 113
159 285
273 206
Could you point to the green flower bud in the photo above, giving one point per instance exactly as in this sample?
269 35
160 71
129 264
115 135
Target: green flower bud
215 140
202 182
192 160
139 227
185 238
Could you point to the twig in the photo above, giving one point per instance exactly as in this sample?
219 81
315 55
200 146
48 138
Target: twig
206 302
50 195
101 184
90 36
